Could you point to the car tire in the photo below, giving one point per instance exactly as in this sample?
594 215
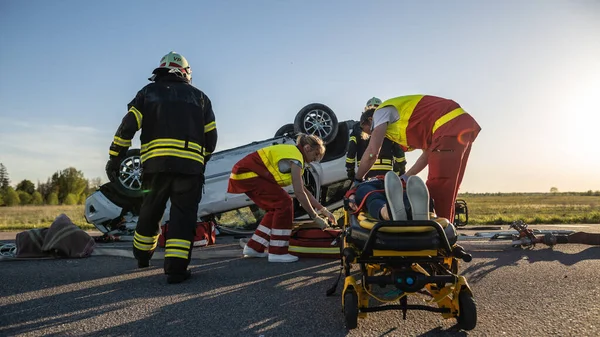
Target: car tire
317 119
129 181
286 129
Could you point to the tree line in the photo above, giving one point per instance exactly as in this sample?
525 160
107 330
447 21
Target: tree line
66 187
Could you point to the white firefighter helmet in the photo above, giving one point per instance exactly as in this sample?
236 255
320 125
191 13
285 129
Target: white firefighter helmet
176 63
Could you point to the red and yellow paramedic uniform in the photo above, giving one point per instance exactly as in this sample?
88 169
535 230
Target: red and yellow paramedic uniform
260 177
443 128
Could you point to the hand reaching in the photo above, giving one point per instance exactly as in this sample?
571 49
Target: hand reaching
321 222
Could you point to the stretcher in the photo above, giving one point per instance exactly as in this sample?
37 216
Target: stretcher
386 262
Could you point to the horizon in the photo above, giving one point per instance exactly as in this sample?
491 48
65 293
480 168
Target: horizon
529 73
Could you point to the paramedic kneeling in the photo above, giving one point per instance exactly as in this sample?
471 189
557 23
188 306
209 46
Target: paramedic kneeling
261 176
439 127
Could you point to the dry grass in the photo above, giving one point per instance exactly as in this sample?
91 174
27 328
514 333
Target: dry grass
27 217
534 208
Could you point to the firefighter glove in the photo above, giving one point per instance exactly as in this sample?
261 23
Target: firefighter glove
351 173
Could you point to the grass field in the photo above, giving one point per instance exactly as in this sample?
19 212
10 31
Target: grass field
532 208
27 217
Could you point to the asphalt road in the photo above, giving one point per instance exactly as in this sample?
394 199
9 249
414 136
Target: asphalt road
542 292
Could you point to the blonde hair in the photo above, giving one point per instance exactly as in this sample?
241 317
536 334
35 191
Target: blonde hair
313 141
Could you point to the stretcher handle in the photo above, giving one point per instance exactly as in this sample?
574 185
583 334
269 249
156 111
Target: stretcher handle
460 253
368 248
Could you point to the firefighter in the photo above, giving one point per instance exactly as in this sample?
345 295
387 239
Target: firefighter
391 155
439 127
261 176
178 135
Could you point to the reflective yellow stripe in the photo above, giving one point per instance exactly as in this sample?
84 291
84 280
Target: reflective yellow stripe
144 247
122 142
183 254
172 153
185 243
210 126
314 250
399 160
173 245
350 160
385 161
241 176
170 142
113 153
176 255
145 239
381 167
138 116
353 139
447 117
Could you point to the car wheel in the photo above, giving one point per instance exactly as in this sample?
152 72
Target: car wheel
129 180
317 119
286 129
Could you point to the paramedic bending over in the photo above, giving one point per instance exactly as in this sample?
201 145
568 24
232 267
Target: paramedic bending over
439 127
261 176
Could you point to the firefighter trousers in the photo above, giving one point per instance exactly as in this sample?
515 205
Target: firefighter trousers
185 193
275 228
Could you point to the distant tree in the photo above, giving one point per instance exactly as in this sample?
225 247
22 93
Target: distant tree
11 198
95 183
553 190
26 186
52 199
68 181
70 199
24 198
4 180
36 198
45 189
1 200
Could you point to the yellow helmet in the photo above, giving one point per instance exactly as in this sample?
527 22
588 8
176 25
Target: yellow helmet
177 64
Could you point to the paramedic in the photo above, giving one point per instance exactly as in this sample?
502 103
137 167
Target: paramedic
391 156
261 176
439 127
178 135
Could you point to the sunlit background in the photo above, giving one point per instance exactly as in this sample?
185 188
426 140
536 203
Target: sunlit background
528 71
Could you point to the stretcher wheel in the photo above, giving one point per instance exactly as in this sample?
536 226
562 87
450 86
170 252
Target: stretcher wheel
351 309
467 318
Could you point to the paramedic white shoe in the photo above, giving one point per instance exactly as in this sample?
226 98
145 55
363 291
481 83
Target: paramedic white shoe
282 258
418 196
249 252
394 193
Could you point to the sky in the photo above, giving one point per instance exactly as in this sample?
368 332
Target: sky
527 71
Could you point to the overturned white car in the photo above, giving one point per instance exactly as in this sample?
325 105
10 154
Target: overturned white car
115 205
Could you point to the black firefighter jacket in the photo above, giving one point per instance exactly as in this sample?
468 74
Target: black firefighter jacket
178 127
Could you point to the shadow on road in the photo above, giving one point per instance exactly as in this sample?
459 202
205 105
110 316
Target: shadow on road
106 296
497 259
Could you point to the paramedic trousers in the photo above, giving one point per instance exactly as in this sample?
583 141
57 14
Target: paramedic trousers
447 162
185 193
275 228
